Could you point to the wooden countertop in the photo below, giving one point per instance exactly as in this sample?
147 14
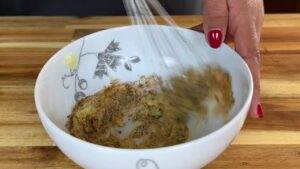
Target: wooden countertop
26 43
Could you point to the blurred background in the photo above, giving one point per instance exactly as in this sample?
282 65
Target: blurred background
115 7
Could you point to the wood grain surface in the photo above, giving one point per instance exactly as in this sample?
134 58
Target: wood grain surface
26 43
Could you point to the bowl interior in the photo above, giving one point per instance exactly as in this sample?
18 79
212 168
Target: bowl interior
88 64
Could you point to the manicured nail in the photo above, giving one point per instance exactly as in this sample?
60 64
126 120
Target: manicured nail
215 38
260 112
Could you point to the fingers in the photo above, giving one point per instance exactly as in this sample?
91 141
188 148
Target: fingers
215 20
247 46
244 19
254 65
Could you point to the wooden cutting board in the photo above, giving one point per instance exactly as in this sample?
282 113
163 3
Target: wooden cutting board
26 43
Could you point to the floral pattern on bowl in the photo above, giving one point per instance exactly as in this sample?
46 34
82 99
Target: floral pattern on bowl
146 164
107 59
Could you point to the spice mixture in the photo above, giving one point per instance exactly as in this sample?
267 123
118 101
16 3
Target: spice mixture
145 113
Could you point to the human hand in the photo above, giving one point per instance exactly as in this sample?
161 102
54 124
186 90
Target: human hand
242 20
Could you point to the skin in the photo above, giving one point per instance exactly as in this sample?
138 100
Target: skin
242 20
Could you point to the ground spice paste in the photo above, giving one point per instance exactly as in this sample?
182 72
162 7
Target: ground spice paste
145 114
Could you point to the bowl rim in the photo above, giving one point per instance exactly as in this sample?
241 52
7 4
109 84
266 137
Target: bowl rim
52 125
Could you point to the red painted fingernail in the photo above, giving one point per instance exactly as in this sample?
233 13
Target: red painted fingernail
215 38
260 112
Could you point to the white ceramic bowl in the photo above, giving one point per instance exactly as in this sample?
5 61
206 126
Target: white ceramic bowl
57 85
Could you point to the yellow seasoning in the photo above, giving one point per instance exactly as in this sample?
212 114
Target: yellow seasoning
70 61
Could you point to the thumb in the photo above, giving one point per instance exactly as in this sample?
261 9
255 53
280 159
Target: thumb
215 20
